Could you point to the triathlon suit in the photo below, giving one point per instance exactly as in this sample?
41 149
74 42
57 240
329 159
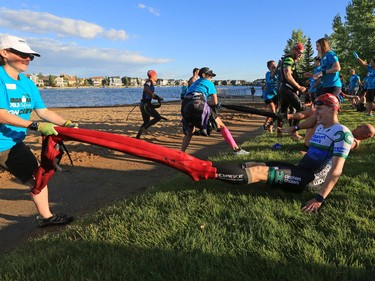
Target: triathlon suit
195 110
147 109
270 93
370 84
18 97
287 92
331 82
312 170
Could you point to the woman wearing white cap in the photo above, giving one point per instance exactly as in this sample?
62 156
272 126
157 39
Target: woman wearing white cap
18 97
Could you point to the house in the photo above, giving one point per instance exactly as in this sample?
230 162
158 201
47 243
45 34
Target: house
115 81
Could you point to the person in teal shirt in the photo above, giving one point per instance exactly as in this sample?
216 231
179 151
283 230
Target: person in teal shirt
18 98
370 95
198 109
330 68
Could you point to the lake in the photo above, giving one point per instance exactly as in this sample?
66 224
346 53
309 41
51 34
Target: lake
96 97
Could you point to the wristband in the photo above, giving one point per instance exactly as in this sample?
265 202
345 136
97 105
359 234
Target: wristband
33 126
319 198
296 128
324 72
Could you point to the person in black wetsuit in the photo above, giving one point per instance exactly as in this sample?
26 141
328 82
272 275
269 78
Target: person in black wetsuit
148 109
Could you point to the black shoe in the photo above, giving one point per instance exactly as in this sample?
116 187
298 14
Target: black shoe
56 219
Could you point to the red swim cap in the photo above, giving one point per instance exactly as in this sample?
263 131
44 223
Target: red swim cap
328 100
151 73
299 47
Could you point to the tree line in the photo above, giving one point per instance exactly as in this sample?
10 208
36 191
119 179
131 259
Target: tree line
354 32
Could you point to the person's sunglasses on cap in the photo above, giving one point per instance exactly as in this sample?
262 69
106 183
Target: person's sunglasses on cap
20 54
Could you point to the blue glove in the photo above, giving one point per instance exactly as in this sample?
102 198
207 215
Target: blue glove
355 55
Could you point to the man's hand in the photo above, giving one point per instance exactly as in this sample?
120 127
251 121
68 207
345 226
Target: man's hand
70 124
47 129
312 206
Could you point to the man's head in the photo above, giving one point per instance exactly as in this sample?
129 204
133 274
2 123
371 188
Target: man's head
297 50
195 71
364 131
206 72
328 100
352 71
151 73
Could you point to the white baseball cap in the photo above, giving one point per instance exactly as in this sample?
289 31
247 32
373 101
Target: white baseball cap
16 43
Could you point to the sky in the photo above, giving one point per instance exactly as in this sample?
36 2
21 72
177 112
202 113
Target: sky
128 37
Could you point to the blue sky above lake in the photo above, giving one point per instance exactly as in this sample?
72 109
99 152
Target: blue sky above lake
127 38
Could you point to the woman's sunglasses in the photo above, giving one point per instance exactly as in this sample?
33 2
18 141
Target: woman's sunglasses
20 54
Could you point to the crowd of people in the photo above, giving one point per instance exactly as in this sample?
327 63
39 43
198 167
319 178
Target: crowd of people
328 141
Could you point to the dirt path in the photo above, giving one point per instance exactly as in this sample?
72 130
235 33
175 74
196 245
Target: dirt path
100 176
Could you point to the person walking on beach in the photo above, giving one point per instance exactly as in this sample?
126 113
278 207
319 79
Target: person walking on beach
18 98
330 68
370 95
289 88
195 76
252 90
198 113
320 168
148 109
270 94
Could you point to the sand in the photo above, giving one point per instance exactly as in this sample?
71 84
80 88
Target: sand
100 176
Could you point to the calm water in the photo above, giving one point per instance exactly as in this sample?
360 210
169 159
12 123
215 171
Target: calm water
96 97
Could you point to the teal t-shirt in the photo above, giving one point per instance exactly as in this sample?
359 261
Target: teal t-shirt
203 86
330 79
18 97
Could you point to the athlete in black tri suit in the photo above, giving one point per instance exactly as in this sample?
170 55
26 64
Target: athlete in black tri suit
147 108
319 169
288 82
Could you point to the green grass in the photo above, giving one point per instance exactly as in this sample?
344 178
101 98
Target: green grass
209 230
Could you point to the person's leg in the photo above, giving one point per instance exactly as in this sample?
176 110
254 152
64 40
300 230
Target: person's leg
186 140
145 118
41 201
226 134
238 173
152 112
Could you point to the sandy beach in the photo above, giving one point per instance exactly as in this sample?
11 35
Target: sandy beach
100 176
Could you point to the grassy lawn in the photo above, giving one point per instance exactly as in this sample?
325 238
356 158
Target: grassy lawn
210 230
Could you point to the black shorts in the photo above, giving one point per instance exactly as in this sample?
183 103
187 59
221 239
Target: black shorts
370 95
20 162
296 178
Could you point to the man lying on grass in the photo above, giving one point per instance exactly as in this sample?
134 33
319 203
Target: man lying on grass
319 169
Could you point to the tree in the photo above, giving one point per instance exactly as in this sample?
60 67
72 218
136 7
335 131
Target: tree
307 62
357 33
297 36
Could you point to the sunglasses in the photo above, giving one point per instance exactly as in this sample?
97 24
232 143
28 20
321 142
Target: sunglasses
319 102
20 54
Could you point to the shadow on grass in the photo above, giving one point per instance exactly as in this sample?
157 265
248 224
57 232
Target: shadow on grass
79 260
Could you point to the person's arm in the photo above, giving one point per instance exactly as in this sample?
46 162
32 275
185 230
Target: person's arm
289 77
309 123
361 62
329 183
13 120
50 116
335 68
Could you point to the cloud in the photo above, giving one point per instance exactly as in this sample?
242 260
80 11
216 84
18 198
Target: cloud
41 22
70 58
152 10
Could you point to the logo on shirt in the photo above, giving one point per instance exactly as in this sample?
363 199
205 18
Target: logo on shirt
21 105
